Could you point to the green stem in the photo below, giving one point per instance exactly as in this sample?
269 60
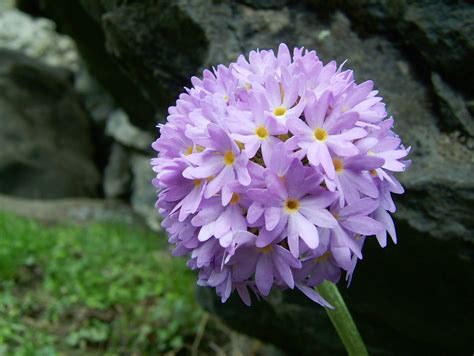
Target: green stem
342 320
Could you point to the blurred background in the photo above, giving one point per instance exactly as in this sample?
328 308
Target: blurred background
84 267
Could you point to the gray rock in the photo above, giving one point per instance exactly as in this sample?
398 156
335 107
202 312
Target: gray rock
117 174
438 33
36 37
442 32
75 210
97 100
143 52
265 4
144 194
7 5
44 132
119 127
453 108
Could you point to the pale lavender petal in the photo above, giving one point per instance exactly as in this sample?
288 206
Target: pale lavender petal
284 270
272 217
363 206
206 232
254 212
243 175
244 294
225 176
313 295
316 110
264 274
293 235
307 231
362 225
298 127
343 257
202 171
319 217
320 200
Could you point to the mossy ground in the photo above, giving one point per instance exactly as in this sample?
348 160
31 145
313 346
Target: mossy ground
96 289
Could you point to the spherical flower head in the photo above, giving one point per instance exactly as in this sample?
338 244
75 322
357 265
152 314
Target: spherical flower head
272 172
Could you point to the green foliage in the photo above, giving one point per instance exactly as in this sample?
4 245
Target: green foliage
103 287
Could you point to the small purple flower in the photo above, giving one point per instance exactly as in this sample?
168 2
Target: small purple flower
222 162
274 171
255 129
296 202
320 137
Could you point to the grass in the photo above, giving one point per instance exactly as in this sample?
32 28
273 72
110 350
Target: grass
99 289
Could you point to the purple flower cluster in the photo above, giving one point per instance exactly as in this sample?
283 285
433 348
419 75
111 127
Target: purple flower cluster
274 170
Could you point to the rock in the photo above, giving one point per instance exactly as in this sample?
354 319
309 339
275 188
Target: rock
7 5
453 108
157 36
142 52
442 32
119 127
265 4
76 210
47 150
97 100
143 196
439 33
117 175
36 38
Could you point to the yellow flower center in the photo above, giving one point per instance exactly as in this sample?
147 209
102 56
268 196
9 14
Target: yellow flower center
261 132
229 158
235 199
226 98
373 173
197 182
320 134
292 205
284 137
267 249
248 86
188 151
338 165
279 111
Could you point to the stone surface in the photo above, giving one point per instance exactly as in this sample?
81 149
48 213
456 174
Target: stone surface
76 210
97 100
143 52
265 4
117 175
415 298
46 150
143 195
439 33
454 110
36 38
119 127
